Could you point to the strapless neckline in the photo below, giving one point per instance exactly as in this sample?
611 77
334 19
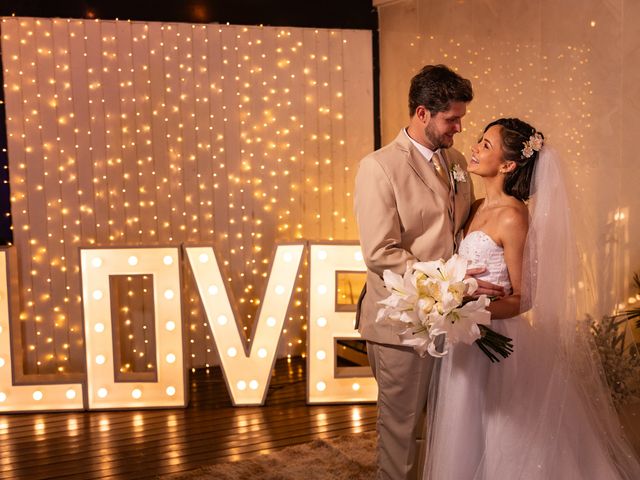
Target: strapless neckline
483 234
483 251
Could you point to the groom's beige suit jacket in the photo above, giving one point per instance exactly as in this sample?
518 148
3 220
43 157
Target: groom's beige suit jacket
405 213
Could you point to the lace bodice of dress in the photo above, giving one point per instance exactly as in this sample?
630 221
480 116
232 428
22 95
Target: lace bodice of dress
482 251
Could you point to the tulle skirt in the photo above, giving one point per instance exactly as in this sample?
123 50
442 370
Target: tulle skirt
522 418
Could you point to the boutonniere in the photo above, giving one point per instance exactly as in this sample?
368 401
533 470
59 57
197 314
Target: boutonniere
458 175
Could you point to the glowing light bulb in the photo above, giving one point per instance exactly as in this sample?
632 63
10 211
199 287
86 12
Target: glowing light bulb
167 260
355 387
171 391
136 393
232 352
262 353
100 359
169 294
171 358
287 257
358 256
279 289
322 255
132 260
204 258
3 397
212 290
271 322
96 262
70 394
102 392
170 326
321 354
321 322
322 289
97 295
242 385
37 395
99 327
222 320
253 384
321 386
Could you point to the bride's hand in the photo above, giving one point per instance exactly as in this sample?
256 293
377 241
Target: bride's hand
485 288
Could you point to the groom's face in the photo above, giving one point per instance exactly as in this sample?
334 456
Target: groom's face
442 126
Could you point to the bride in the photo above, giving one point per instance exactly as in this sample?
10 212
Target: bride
544 413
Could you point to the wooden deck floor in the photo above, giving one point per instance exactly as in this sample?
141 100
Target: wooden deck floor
135 444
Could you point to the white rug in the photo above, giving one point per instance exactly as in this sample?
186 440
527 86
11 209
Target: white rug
349 457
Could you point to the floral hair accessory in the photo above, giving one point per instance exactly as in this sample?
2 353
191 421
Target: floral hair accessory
534 144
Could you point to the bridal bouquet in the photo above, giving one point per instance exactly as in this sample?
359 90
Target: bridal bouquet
428 301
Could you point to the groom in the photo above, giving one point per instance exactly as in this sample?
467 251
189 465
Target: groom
410 208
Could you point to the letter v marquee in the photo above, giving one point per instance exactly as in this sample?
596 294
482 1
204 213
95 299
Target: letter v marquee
246 371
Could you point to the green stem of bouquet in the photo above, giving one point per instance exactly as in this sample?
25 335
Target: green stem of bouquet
493 344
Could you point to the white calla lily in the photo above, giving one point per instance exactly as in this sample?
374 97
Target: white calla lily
461 324
472 285
400 305
453 270
426 303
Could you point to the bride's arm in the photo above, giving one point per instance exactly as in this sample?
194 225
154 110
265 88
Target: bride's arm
512 232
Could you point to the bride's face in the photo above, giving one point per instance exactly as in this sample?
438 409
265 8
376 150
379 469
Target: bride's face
487 158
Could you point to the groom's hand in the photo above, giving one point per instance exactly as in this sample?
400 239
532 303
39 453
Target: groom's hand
485 288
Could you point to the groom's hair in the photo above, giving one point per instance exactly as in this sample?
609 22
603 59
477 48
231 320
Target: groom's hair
435 87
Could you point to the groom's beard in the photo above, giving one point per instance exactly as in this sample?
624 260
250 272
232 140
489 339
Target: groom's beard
437 139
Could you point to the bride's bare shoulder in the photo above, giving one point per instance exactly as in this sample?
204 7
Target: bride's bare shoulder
515 215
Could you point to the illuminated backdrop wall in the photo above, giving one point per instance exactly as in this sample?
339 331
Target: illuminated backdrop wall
148 134
568 67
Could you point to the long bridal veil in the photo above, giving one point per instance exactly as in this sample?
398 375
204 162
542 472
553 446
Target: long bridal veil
545 412
557 399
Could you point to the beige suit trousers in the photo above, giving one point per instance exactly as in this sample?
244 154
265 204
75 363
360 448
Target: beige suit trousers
403 383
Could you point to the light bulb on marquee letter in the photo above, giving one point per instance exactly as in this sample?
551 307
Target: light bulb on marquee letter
238 359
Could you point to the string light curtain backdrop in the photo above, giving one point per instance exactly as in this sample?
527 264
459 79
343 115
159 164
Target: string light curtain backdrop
125 134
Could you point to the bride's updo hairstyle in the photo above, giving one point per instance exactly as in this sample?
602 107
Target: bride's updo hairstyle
521 144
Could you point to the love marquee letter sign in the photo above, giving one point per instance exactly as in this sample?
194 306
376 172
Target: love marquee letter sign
246 368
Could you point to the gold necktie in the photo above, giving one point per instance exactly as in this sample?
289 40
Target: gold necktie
440 169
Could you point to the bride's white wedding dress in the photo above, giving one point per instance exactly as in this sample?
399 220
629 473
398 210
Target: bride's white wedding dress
522 418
